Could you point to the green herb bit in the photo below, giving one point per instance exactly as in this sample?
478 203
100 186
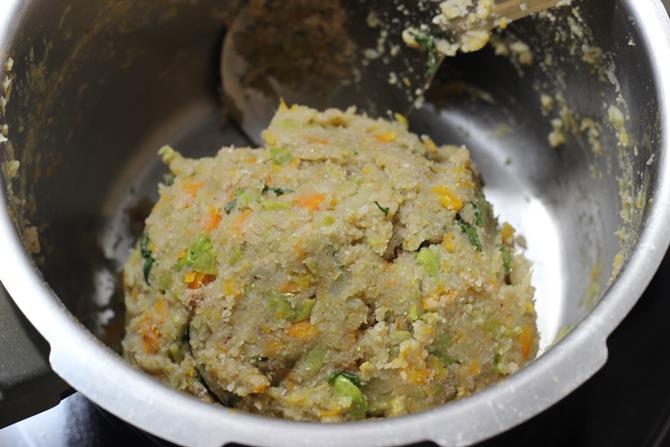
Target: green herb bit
430 260
471 233
478 214
280 155
280 306
506 254
399 336
235 255
328 221
445 358
347 385
246 196
497 367
230 206
315 357
427 42
414 312
383 209
483 211
278 191
274 205
303 311
439 348
176 353
200 257
145 251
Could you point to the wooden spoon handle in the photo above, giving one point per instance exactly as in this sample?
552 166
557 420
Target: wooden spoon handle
517 9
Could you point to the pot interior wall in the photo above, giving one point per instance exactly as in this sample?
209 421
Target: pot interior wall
99 85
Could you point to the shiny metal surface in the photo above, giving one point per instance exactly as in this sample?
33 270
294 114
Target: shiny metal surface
96 92
321 54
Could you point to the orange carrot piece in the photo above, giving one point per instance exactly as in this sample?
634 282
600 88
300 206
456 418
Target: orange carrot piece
239 221
192 188
302 330
298 251
312 202
526 341
195 280
315 140
214 219
386 137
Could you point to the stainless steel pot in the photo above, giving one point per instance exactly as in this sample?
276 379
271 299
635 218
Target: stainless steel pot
96 86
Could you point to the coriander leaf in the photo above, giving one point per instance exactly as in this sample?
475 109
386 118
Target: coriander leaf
280 155
383 209
470 231
506 258
230 206
145 251
277 191
427 42
478 214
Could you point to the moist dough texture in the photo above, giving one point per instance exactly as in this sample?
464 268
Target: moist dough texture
349 269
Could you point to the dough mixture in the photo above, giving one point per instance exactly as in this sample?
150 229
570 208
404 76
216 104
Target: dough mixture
349 269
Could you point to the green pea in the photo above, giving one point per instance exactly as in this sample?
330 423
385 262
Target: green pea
343 386
429 260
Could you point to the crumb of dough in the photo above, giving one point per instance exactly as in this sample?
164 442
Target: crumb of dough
616 118
11 168
31 240
547 102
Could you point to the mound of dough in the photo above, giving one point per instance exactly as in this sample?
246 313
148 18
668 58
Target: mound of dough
349 269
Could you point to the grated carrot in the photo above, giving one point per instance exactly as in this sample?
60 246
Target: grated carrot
260 388
526 341
195 280
386 137
192 188
214 219
447 198
302 330
312 202
418 376
150 334
316 140
160 306
298 251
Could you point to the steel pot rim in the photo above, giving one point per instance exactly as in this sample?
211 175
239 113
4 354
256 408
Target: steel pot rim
86 363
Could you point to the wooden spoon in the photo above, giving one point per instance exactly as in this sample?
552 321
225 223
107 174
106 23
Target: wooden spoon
518 9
